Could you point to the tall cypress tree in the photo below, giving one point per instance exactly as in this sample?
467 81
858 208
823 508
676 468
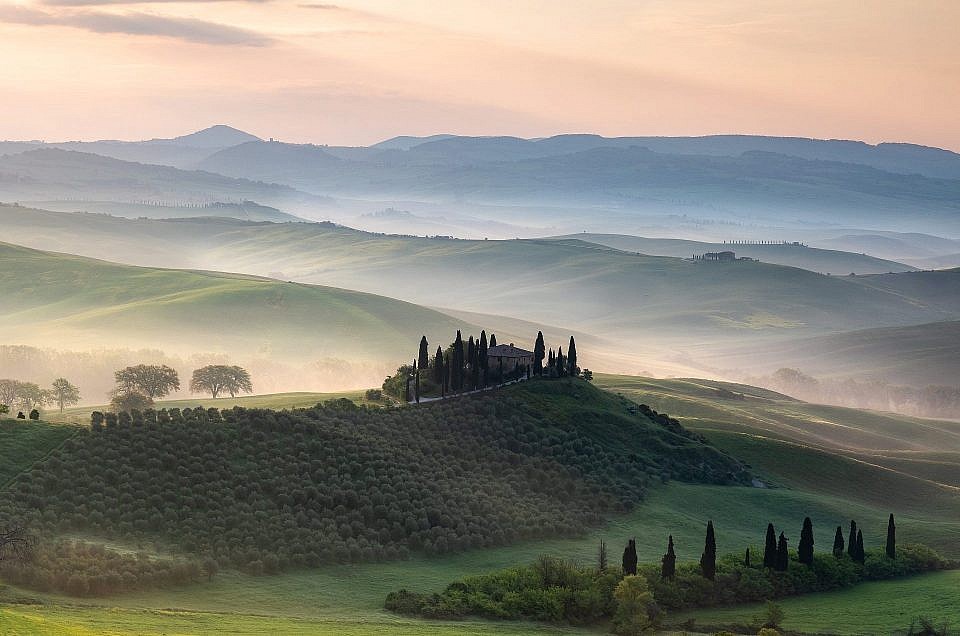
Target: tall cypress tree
770 548
438 367
708 560
669 561
891 538
805 547
861 555
475 367
602 557
838 543
572 357
493 340
483 354
746 559
539 351
406 389
423 359
783 557
457 370
630 558
558 361
416 386
852 541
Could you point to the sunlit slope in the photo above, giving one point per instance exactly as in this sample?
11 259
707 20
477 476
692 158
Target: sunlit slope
918 355
921 455
62 301
811 258
598 289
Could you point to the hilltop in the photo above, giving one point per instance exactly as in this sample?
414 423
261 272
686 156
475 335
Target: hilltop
814 259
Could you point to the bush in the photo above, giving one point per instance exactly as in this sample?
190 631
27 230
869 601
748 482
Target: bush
635 606
373 395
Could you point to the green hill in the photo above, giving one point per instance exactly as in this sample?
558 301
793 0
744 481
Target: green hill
792 255
61 301
265 491
603 291
809 478
917 355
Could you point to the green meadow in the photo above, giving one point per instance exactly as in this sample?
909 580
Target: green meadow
828 480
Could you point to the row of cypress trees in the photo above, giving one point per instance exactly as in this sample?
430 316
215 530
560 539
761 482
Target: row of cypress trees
466 366
775 554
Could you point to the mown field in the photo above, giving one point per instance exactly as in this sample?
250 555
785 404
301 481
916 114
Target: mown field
825 481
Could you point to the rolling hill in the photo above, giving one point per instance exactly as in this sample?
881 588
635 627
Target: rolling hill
645 301
48 174
791 254
69 302
916 355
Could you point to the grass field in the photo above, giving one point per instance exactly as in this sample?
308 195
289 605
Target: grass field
872 608
826 482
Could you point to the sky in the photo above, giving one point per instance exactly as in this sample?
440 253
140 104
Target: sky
359 71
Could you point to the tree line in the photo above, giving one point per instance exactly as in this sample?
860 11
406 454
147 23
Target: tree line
136 388
635 598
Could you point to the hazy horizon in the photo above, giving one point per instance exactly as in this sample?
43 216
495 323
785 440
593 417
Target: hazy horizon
357 72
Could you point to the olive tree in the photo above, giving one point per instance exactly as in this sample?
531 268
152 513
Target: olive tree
217 378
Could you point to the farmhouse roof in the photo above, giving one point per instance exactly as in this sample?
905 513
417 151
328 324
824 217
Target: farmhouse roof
508 351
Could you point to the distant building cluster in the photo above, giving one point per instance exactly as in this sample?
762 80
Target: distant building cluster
723 257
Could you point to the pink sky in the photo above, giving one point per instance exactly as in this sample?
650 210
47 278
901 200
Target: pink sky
359 71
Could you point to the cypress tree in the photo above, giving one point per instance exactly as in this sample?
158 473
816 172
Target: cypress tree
471 354
572 358
630 558
891 538
770 548
457 370
438 366
852 541
669 561
416 386
558 361
708 560
475 367
423 359
746 559
406 389
861 555
493 340
805 547
539 350
783 557
602 557
838 543
483 354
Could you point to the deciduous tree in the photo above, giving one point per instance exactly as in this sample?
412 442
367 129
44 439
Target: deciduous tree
64 393
218 378
153 380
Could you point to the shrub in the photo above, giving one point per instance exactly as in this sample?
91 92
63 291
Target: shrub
635 606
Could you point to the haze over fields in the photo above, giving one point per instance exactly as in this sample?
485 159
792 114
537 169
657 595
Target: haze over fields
467 319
